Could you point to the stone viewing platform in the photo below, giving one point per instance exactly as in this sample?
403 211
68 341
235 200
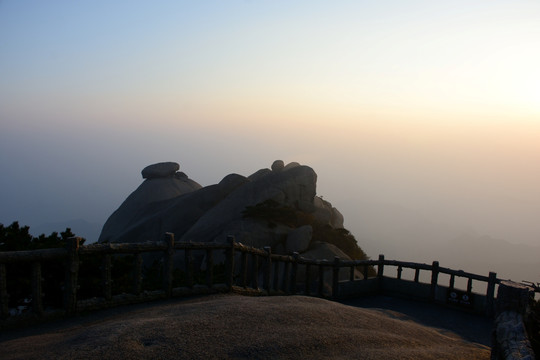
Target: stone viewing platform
283 240
278 327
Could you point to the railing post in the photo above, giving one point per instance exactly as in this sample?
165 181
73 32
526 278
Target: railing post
209 268
267 269
276 269
244 269
321 279
399 271
335 278
434 280
294 272
380 273
189 268
137 274
351 273
490 295
509 338
72 272
230 263
286 280
168 264
307 289
380 267
4 298
37 296
255 271
107 281
366 272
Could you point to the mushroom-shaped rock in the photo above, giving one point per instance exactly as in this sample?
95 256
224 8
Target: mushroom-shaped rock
152 190
160 170
278 165
175 215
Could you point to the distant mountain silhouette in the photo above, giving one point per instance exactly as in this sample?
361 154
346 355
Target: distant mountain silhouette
405 234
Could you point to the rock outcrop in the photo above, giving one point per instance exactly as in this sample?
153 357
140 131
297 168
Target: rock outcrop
294 188
298 239
275 207
162 183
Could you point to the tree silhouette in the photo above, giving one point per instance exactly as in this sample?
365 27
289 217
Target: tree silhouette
16 238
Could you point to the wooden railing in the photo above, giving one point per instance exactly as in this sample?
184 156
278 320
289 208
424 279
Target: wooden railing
432 290
314 283
244 269
72 254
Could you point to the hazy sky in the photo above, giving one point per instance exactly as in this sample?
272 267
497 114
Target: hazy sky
432 106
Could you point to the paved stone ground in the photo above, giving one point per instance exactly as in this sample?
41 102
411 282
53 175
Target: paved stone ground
472 327
240 327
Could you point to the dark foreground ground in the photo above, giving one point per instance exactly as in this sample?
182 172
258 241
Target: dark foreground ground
471 327
238 327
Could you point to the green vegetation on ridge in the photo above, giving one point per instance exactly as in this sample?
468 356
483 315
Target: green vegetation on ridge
275 213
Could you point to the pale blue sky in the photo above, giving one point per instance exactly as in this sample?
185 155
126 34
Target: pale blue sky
430 105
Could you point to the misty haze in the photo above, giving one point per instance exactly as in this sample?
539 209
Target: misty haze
420 119
269 179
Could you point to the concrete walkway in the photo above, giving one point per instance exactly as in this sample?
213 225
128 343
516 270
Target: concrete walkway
471 327
242 327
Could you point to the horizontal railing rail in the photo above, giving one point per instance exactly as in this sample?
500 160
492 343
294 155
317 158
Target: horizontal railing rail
242 269
9 257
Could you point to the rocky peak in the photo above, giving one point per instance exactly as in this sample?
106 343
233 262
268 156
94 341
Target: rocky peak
285 212
162 182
